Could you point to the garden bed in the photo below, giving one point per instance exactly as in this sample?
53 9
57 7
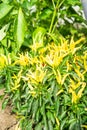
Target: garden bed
43 65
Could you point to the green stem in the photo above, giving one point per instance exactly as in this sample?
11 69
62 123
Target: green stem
53 18
53 4
54 13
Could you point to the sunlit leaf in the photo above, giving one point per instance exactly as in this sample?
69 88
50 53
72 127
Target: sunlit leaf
3 32
38 35
4 9
20 28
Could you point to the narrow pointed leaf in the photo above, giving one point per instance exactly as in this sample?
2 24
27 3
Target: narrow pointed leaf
4 104
3 31
38 126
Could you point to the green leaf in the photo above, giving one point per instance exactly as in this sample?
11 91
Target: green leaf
38 126
34 108
26 124
4 9
38 115
1 50
5 102
72 2
57 104
63 124
44 117
63 115
45 123
20 28
50 125
51 117
29 125
45 14
43 110
8 80
30 102
72 124
3 32
38 35
18 105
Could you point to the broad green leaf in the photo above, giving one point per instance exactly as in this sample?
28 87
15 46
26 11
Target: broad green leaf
20 28
4 9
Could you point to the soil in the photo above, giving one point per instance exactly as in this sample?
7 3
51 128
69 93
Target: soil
7 119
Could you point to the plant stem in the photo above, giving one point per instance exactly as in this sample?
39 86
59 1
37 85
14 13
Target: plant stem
53 18
53 4
54 13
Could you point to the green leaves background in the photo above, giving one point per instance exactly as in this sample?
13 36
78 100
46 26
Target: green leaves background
24 17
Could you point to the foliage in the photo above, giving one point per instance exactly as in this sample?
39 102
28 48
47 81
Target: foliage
43 65
48 86
19 19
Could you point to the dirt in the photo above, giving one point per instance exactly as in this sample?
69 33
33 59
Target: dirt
7 119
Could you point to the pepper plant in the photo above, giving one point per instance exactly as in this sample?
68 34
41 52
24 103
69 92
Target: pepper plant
47 86
43 65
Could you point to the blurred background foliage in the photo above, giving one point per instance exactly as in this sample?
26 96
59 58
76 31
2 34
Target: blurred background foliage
20 18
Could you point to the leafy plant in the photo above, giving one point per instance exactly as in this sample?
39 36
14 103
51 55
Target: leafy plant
19 19
47 86
43 67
